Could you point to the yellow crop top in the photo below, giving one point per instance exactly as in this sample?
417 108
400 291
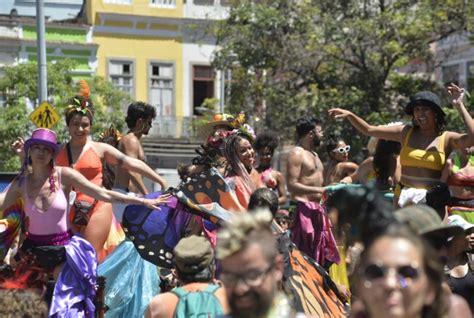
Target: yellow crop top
418 158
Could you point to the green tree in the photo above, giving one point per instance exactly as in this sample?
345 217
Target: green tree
300 57
19 83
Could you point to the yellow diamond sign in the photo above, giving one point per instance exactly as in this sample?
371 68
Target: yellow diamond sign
44 116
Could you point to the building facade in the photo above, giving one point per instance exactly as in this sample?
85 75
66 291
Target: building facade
160 52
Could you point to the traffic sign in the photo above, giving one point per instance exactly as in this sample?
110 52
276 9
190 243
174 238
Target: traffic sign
44 116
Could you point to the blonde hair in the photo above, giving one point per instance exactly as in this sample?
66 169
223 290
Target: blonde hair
246 228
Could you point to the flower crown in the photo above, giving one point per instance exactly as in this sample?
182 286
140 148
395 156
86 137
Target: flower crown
240 128
81 105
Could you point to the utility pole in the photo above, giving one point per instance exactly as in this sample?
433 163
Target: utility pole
41 53
222 93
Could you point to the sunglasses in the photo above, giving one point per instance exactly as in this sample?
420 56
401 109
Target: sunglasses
374 272
343 150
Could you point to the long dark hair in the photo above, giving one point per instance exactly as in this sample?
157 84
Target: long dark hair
385 161
230 152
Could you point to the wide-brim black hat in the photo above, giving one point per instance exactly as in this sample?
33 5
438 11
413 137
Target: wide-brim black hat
425 98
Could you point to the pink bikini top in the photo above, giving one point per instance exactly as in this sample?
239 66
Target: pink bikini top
51 221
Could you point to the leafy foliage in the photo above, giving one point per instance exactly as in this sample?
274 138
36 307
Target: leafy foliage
20 82
292 58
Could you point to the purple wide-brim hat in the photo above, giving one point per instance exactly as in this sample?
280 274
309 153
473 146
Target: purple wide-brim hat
42 136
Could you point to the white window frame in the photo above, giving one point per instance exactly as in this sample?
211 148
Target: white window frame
204 4
172 64
163 3
132 73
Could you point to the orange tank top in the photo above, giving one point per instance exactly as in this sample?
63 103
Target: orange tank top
88 164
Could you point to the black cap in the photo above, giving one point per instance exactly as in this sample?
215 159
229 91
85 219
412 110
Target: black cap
425 98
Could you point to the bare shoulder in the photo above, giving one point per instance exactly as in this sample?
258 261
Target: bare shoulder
162 306
296 153
130 140
458 307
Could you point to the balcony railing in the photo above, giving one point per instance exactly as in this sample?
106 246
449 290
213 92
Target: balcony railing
174 127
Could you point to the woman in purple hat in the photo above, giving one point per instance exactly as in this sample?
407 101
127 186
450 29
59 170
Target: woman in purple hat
425 143
45 188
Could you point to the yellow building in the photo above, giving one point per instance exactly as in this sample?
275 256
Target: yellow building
140 49
149 48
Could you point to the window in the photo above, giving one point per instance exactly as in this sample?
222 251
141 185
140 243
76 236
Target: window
165 3
450 74
161 88
203 85
204 2
470 76
121 75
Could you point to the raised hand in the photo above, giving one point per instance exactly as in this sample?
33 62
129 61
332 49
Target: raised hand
155 203
18 147
338 113
457 94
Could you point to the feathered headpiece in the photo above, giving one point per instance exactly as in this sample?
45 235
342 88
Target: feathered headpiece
81 103
111 136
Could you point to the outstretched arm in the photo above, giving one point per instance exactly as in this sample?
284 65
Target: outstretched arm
10 195
382 132
117 158
294 164
71 177
460 141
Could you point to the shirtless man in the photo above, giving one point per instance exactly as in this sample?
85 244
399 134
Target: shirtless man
305 169
139 118
305 183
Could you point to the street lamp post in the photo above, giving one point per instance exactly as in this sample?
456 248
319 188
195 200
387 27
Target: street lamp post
42 69
222 93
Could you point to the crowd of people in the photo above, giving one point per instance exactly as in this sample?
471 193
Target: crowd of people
389 237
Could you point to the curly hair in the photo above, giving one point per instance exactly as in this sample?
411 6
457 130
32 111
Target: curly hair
245 229
139 110
25 303
266 139
305 124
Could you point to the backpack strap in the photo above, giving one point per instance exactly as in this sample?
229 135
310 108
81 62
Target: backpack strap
179 292
211 288
69 154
